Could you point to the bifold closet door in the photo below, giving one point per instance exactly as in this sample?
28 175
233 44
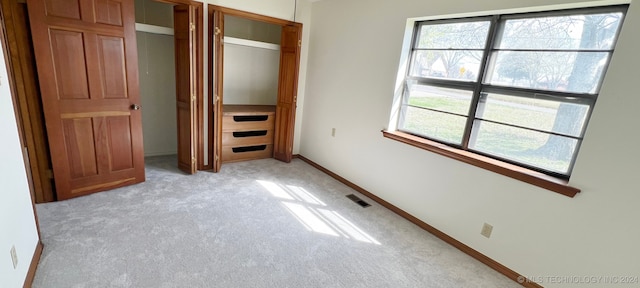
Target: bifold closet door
287 92
184 17
216 57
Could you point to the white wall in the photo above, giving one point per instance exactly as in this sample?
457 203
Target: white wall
17 221
353 63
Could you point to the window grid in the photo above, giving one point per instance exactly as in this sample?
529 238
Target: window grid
482 87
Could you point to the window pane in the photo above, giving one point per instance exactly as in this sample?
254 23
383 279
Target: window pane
551 116
442 99
465 35
577 72
436 125
594 31
546 151
454 65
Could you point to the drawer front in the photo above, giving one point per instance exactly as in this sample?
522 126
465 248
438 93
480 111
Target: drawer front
247 138
228 155
231 124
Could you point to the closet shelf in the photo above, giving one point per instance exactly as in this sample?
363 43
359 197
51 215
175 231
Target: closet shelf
154 29
251 43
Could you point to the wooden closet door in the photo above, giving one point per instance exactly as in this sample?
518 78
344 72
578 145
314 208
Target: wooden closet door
216 29
184 17
87 65
287 92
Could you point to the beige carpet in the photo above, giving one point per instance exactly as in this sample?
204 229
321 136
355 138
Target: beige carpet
260 223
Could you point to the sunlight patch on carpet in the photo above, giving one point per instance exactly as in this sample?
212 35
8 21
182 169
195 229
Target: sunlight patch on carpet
313 214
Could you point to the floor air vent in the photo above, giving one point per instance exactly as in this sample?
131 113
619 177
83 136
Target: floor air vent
360 202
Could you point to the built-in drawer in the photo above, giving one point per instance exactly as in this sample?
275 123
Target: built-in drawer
232 154
247 122
247 138
247 132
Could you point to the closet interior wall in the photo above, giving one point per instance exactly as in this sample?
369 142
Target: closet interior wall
156 63
251 61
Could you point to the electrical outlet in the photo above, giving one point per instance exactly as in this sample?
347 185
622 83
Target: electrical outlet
486 230
333 132
14 257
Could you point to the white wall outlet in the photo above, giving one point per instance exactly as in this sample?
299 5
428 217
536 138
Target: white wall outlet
14 257
333 132
486 230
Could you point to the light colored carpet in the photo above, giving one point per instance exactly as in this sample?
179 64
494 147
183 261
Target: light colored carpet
260 223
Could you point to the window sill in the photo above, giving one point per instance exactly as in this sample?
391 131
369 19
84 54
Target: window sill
541 180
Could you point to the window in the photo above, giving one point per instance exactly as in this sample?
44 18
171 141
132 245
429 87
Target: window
519 88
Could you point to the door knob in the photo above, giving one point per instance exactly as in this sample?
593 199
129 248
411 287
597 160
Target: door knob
135 107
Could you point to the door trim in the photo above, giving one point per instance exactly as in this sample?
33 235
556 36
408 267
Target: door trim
28 100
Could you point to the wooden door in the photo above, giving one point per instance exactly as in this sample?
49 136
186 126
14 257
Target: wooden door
87 66
185 49
287 92
217 29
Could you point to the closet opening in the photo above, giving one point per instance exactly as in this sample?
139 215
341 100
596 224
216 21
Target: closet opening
250 88
253 64
157 77
169 43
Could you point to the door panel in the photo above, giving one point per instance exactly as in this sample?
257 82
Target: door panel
287 92
78 135
119 142
112 63
67 48
185 45
184 153
65 9
95 134
109 12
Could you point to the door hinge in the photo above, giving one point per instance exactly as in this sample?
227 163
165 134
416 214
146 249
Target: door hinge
49 174
299 43
193 97
217 99
216 31
192 27
193 160
217 158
